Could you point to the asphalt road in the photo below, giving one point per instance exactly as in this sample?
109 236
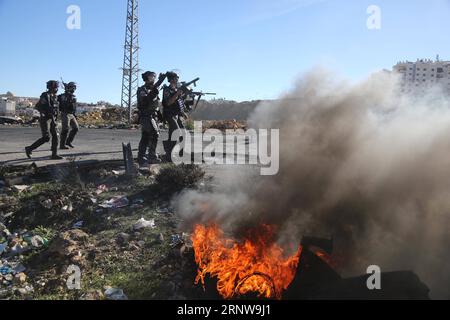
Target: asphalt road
90 145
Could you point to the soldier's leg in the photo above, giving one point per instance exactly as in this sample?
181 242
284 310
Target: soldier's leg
153 141
54 135
145 138
169 144
65 130
44 138
73 131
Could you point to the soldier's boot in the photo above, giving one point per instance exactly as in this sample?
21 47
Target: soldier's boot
28 152
153 157
62 143
168 147
35 145
71 137
55 156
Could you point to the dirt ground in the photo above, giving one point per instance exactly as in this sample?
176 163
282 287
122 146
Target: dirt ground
53 220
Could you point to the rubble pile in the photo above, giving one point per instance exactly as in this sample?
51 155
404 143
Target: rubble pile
108 118
225 125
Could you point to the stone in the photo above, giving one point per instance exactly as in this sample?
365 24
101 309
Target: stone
37 241
20 278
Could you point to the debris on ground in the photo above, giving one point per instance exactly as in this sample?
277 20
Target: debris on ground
115 294
100 189
142 224
115 203
52 224
224 125
20 188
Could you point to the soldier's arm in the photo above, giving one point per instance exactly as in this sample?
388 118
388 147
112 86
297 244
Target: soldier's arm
172 99
45 104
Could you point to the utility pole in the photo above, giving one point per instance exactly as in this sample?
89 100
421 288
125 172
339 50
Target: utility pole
130 76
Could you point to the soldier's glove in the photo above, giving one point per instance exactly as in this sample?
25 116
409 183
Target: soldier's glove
162 77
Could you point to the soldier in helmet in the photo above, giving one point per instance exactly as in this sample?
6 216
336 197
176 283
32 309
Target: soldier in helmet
48 110
148 108
68 106
174 109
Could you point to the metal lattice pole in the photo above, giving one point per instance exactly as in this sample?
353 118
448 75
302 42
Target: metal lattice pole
130 77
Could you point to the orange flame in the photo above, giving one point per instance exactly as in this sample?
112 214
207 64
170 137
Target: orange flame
255 265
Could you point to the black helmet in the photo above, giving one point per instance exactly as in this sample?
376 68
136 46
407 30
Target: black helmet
52 84
71 85
148 74
171 75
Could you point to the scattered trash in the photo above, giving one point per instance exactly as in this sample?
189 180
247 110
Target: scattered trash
100 189
19 268
142 224
37 241
68 208
115 203
20 188
163 210
176 240
137 203
4 270
3 246
47 204
19 248
116 172
78 225
115 294
93 200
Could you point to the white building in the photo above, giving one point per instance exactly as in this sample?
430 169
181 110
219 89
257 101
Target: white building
423 73
7 107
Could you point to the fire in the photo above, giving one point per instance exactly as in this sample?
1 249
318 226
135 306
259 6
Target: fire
257 265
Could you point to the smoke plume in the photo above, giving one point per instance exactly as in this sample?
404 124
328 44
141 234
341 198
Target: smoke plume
362 163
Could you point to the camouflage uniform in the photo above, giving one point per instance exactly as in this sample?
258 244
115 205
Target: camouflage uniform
173 115
48 110
148 106
67 107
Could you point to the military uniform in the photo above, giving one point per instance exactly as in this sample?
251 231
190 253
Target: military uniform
67 107
148 107
48 110
173 115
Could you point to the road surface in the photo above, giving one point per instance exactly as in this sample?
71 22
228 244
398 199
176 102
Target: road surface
90 145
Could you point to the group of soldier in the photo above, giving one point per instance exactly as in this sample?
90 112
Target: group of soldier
176 103
49 105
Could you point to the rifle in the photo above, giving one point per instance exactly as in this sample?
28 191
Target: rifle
185 85
162 77
200 95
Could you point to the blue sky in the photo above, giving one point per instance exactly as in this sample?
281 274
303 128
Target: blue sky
241 49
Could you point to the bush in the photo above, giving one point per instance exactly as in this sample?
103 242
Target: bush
173 178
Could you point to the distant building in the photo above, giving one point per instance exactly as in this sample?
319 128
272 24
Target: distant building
7 107
423 73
